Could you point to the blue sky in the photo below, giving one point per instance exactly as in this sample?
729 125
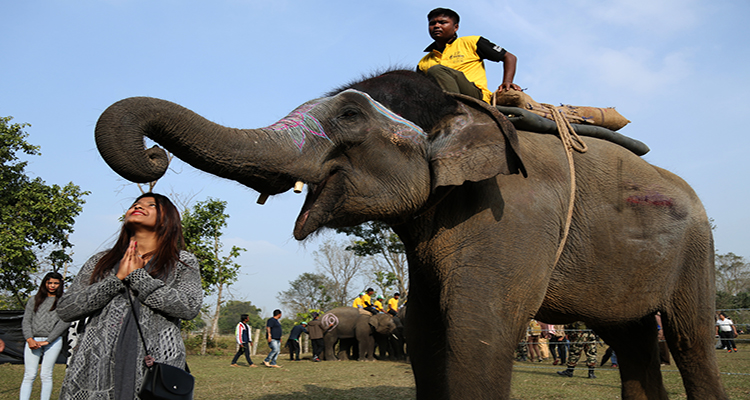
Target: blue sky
676 69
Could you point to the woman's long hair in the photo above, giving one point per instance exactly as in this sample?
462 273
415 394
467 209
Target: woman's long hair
43 293
169 242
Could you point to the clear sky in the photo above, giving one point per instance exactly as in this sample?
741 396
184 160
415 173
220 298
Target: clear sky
676 68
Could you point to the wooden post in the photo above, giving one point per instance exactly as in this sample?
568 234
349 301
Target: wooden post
255 342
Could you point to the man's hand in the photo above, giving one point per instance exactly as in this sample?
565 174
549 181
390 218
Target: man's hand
508 86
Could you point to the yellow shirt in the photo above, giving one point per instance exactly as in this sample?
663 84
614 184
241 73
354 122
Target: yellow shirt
393 304
378 305
462 56
358 302
366 299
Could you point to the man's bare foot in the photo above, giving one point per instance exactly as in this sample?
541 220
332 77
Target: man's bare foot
234 365
253 366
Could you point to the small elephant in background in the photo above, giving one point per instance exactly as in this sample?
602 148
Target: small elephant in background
354 325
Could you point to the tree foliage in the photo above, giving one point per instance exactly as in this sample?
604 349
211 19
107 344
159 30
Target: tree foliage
230 316
732 273
202 227
378 240
309 291
35 218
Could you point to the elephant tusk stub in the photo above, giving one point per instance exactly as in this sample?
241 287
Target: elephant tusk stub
262 198
298 186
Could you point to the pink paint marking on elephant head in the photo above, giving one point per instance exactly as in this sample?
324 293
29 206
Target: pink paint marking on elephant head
300 122
403 127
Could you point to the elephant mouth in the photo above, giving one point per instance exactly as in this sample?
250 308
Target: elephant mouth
319 204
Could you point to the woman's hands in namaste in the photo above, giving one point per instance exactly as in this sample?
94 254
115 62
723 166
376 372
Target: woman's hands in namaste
131 261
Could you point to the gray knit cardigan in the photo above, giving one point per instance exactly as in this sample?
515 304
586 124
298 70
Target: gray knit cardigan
163 304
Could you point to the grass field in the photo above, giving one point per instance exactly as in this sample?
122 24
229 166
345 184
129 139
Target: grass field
216 380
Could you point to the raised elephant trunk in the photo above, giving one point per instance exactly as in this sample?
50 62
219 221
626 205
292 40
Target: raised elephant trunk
263 159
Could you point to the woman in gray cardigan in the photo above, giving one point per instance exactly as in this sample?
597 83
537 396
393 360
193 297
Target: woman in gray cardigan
146 260
42 329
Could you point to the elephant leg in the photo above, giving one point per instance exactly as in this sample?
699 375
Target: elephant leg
466 357
366 348
636 347
689 327
330 344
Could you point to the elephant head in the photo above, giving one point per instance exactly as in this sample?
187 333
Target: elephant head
377 149
383 324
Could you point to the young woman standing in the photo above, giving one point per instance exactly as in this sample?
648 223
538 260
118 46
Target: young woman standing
42 329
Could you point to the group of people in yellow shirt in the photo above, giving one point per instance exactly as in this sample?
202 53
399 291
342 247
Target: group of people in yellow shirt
364 302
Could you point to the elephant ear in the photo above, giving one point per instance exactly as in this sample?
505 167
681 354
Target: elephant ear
475 144
374 322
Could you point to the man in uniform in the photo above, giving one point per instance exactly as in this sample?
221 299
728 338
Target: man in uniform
393 304
581 339
457 63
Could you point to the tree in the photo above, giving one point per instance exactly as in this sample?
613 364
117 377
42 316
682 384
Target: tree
35 218
732 274
340 266
376 239
202 230
309 291
230 316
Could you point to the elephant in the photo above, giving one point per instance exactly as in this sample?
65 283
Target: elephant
494 231
392 346
355 325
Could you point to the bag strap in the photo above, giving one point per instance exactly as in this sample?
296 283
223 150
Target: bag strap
135 315
138 325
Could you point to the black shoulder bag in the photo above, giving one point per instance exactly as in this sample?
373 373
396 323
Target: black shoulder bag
162 381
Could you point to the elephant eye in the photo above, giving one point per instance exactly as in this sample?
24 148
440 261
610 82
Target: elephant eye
348 114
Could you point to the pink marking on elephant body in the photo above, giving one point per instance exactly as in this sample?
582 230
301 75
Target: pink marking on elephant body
653 199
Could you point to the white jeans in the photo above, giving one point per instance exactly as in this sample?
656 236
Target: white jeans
31 362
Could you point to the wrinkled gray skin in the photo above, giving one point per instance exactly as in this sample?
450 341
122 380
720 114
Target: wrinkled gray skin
480 237
355 325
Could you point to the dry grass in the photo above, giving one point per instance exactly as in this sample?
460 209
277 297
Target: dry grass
216 380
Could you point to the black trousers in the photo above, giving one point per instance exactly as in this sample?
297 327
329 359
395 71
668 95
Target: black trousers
293 346
727 339
244 348
317 347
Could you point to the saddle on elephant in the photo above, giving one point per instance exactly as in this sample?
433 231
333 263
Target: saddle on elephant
600 122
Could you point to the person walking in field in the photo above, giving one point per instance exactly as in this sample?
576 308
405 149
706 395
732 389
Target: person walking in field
242 335
727 332
273 334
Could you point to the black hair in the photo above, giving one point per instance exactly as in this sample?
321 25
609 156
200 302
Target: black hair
169 233
43 293
243 317
276 312
396 294
369 289
446 12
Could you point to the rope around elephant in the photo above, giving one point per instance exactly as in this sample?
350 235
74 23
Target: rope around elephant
571 141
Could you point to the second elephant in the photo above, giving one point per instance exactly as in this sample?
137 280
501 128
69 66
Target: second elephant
355 325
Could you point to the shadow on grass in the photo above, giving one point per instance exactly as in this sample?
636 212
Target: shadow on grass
315 392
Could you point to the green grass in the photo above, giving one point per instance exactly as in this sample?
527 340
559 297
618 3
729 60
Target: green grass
216 380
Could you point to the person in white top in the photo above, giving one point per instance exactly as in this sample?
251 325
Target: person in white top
727 332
